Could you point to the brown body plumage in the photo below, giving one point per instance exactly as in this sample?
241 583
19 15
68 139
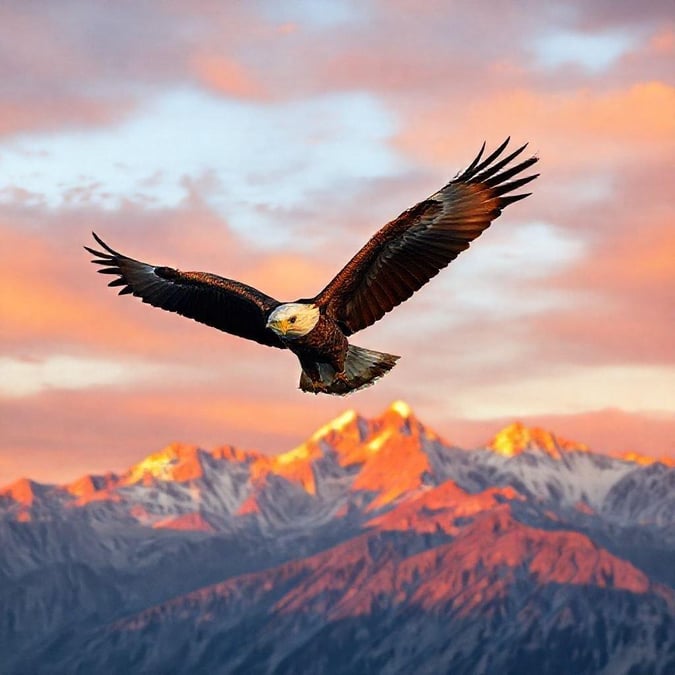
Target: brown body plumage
397 261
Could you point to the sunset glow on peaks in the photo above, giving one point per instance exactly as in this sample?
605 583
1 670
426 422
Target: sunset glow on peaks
176 462
190 521
402 408
517 438
294 466
437 509
21 491
338 424
645 460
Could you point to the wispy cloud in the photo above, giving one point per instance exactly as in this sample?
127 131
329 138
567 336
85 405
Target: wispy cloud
592 51
638 388
25 377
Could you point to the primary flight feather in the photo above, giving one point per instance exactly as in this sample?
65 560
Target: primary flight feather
397 261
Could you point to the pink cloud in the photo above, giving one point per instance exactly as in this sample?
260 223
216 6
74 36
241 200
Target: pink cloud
578 128
627 283
225 76
611 13
663 41
84 65
53 295
59 435
47 113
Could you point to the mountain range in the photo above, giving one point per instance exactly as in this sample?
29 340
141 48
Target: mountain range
374 547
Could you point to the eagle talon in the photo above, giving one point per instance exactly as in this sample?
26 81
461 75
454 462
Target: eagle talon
340 378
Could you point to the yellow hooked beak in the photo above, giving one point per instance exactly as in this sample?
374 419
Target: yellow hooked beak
281 326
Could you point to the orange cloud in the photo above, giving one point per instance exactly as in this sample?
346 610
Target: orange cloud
59 58
42 113
626 286
225 76
579 127
58 435
663 42
45 298
52 295
289 277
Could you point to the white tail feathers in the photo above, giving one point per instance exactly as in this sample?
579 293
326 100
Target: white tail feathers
362 368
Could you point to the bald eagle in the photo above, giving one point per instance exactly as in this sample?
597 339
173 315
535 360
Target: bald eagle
397 261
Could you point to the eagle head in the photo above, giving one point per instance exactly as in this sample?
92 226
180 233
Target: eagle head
293 320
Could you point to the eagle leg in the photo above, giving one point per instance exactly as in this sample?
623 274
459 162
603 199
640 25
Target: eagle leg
362 368
340 378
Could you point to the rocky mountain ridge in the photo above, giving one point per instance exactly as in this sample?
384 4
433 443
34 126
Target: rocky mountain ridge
186 487
372 527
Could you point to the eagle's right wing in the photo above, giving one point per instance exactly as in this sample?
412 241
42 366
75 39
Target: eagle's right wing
225 304
411 249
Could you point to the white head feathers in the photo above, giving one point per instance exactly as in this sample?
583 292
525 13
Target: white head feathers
293 320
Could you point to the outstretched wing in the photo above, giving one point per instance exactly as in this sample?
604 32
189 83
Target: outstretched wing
222 303
413 248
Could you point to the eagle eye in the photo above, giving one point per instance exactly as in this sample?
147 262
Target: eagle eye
293 319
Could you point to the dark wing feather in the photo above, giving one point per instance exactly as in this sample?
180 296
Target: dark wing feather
225 304
413 248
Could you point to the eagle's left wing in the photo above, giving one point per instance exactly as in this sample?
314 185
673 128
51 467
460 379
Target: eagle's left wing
407 252
225 304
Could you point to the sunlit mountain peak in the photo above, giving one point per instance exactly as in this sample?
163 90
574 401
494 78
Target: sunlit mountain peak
90 488
337 424
299 453
645 460
517 438
401 408
231 453
177 461
377 441
21 491
294 465
398 414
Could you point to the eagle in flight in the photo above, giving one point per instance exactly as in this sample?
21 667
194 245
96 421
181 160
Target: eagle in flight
397 261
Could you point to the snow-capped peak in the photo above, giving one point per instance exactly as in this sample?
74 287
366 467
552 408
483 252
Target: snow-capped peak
337 424
175 462
401 408
517 438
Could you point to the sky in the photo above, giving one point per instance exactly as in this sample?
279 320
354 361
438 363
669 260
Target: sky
267 141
